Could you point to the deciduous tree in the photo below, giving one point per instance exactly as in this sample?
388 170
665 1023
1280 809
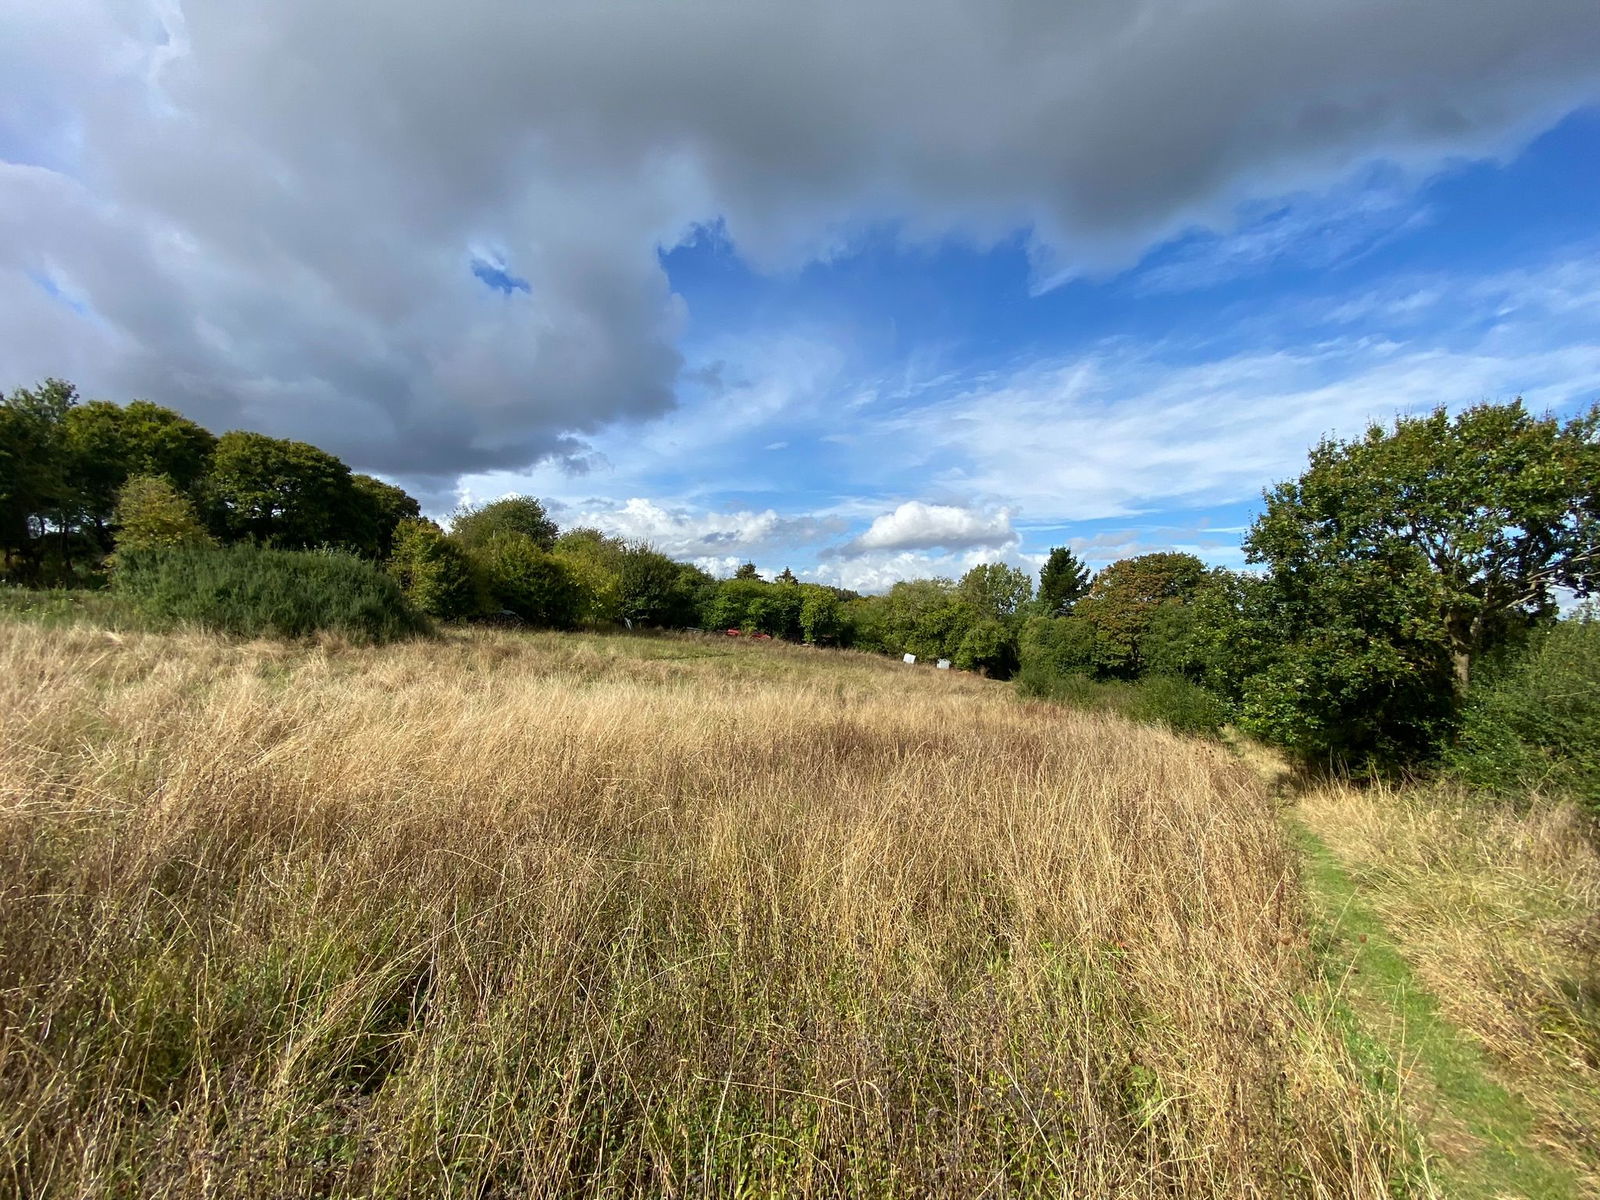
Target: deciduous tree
1465 524
475 525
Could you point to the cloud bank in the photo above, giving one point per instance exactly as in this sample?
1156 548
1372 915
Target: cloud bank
427 236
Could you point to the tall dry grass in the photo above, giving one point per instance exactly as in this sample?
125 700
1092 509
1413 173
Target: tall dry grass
502 915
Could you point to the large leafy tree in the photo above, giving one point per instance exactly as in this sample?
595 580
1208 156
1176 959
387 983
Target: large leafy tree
379 509
995 590
475 525
109 444
1443 532
283 493
1063 581
1123 601
37 494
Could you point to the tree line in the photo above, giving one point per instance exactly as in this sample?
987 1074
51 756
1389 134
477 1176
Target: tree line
1382 582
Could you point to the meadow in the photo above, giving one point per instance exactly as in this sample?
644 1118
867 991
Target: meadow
505 914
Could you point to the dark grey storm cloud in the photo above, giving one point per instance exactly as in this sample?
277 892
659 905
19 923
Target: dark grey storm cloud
268 214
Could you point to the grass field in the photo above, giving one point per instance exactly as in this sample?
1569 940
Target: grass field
504 914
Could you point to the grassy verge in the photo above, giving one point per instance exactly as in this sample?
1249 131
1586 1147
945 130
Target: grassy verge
1482 1134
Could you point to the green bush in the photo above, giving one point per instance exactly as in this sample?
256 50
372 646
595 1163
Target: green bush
1168 700
1057 646
432 571
528 581
1533 725
252 591
1178 703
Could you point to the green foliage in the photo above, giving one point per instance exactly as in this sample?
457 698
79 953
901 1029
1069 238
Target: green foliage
747 604
63 464
1399 560
36 493
432 571
1533 725
974 623
285 494
747 571
253 591
379 509
822 616
474 526
595 563
922 616
100 608
995 591
656 590
1180 704
528 580
1124 599
988 646
1057 646
1063 581
1171 643
109 444
151 514
1168 700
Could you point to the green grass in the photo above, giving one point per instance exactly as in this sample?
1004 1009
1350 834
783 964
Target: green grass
69 606
1497 1158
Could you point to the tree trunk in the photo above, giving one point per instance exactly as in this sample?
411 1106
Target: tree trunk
1465 633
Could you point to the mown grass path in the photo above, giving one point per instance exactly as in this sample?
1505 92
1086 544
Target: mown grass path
1479 1132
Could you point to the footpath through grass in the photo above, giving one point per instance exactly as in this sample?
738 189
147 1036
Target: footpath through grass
1480 1133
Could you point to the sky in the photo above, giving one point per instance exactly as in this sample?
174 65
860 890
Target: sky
871 290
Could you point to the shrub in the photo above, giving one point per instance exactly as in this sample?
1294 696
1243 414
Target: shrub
475 526
1057 646
252 591
1178 703
1534 724
528 581
987 646
432 571
154 515
1168 700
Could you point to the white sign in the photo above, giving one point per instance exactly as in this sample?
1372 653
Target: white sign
944 664
911 658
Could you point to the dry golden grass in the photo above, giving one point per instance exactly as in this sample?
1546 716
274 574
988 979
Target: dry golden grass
501 915
1498 914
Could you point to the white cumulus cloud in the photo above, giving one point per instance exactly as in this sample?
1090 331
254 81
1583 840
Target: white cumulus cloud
918 526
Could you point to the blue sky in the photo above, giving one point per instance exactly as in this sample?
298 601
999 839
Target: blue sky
871 291
1123 411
